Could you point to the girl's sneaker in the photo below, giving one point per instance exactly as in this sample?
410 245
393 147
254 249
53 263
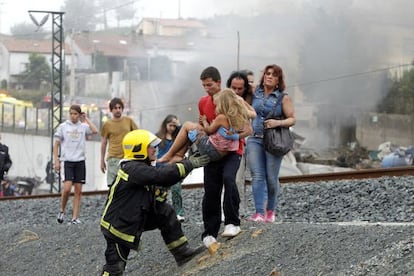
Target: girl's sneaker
60 217
257 218
75 221
270 216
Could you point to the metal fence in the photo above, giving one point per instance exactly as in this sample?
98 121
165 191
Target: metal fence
36 121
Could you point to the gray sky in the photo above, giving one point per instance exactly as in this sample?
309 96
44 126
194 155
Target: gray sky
15 11
332 51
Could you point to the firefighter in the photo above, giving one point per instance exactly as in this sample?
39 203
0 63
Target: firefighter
137 202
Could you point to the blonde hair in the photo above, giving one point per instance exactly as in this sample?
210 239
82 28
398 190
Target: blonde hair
232 106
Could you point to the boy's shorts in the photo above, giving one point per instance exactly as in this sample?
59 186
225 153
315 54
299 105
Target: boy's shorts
74 171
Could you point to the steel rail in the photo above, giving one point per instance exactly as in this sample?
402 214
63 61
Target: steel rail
359 174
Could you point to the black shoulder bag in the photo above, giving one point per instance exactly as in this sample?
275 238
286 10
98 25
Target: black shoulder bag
279 140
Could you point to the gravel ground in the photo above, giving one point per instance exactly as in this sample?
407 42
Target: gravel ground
352 227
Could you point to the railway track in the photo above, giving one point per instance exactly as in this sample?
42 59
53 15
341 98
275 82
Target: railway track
360 174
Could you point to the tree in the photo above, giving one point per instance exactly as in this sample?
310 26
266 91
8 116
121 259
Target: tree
84 15
25 30
37 72
124 10
400 98
80 15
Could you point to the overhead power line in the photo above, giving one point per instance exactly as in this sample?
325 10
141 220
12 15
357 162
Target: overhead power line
350 75
120 6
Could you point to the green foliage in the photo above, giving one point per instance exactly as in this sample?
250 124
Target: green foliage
400 98
37 72
34 96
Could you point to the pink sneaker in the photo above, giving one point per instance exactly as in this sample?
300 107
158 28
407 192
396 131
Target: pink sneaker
257 218
270 216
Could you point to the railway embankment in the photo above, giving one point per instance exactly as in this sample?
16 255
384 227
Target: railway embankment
333 227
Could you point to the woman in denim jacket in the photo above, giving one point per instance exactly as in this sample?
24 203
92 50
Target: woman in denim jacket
263 165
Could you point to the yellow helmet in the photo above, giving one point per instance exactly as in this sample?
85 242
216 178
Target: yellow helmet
136 142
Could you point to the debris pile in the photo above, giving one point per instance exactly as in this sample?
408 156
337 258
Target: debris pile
348 156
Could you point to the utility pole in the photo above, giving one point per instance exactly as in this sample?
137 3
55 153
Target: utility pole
55 117
72 66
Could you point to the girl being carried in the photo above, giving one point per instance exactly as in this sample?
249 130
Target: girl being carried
219 137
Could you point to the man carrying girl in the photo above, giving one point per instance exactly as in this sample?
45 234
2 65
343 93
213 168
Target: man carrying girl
219 137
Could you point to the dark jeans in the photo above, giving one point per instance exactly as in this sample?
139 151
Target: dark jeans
216 175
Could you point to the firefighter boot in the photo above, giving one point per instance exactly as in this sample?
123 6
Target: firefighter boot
185 253
116 269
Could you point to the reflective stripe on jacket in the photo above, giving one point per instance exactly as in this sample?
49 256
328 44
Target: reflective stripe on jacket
131 198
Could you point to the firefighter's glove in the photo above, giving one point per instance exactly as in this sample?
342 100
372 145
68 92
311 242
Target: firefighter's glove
199 161
161 194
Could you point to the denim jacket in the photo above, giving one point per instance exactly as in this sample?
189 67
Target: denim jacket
263 106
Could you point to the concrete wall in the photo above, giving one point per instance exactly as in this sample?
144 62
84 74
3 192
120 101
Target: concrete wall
374 129
31 153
